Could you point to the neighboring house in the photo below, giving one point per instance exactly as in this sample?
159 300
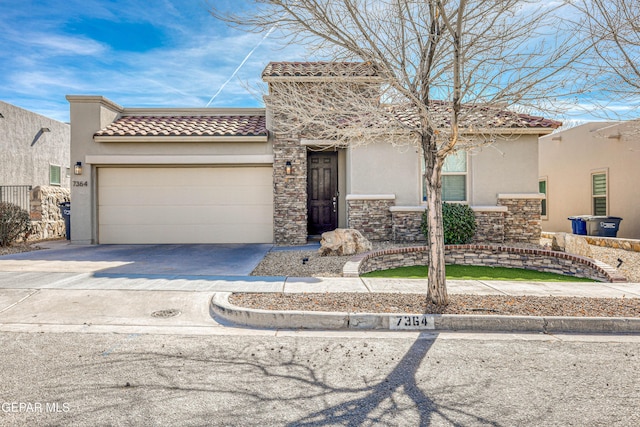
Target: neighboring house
592 169
231 175
34 152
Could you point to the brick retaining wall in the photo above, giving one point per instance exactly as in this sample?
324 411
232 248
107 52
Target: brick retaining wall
486 255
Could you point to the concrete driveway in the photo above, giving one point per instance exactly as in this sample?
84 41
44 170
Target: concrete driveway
140 260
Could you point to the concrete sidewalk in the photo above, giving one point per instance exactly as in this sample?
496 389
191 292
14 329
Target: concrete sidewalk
95 301
42 290
97 280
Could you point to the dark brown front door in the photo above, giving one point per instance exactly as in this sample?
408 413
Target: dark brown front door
322 188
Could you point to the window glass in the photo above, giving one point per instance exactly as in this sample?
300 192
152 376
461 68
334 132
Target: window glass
454 188
454 178
542 188
455 162
54 175
599 192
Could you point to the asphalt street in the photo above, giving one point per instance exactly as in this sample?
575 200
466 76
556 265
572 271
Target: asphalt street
92 341
304 378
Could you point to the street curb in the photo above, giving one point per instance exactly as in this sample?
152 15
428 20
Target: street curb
221 308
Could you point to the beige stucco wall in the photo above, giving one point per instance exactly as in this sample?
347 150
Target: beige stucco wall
89 114
507 166
380 168
567 160
27 152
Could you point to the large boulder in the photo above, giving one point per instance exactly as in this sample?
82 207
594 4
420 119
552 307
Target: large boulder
343 241
571 244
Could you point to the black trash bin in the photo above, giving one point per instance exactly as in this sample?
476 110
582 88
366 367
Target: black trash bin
578 225
603 226
65 209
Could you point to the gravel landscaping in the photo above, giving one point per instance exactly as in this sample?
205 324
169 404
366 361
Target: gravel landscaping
310 264
459 304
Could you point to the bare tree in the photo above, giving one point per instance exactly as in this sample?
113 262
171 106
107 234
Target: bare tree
440 74
612 27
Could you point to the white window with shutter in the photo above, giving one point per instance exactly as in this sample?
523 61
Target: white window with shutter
599 193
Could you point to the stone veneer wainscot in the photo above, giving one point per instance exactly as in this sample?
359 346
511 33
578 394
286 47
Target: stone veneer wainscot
371 215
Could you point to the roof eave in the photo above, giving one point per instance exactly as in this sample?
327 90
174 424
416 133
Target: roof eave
364 79
181 138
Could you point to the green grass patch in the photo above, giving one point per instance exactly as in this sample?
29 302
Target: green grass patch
472 272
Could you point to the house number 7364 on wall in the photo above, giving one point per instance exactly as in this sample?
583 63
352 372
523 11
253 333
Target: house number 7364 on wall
80 183
416 321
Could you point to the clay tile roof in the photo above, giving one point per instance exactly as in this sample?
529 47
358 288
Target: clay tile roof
249 125
475 116
319 69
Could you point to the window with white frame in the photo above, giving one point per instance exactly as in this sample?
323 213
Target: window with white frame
454 178
542 189
54 175
599 193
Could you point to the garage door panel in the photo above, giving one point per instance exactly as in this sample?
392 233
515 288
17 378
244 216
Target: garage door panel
153 196
183 205
184 234
168 215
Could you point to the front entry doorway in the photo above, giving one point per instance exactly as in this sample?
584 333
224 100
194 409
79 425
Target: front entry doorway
322 192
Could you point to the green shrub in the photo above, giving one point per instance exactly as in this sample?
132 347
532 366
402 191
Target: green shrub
14 223
459 224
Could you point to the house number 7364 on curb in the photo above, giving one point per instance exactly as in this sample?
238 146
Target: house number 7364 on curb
416 321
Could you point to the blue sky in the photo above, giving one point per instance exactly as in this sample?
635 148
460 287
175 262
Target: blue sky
160 53
142 53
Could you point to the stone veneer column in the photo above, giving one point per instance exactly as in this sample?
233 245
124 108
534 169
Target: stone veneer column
407 221
289 191
489 224
522 221
46 218
370 215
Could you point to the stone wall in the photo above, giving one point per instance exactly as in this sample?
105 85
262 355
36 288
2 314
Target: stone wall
46 218
406 224
371 216
289 191
522 221
495 256
489 224
606 242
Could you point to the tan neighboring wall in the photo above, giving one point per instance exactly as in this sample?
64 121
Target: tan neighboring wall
567 160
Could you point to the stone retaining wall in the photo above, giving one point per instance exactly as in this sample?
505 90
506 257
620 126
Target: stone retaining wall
46 218
607 242
486 255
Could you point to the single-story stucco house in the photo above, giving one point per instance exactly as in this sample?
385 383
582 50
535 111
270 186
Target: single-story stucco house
230 175
592 169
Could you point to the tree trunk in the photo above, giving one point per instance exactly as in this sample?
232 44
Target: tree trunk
437 283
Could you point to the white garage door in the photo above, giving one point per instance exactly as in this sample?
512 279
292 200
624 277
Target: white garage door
185 205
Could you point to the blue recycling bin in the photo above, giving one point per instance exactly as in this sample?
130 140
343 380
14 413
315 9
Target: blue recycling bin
578 225
65 210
